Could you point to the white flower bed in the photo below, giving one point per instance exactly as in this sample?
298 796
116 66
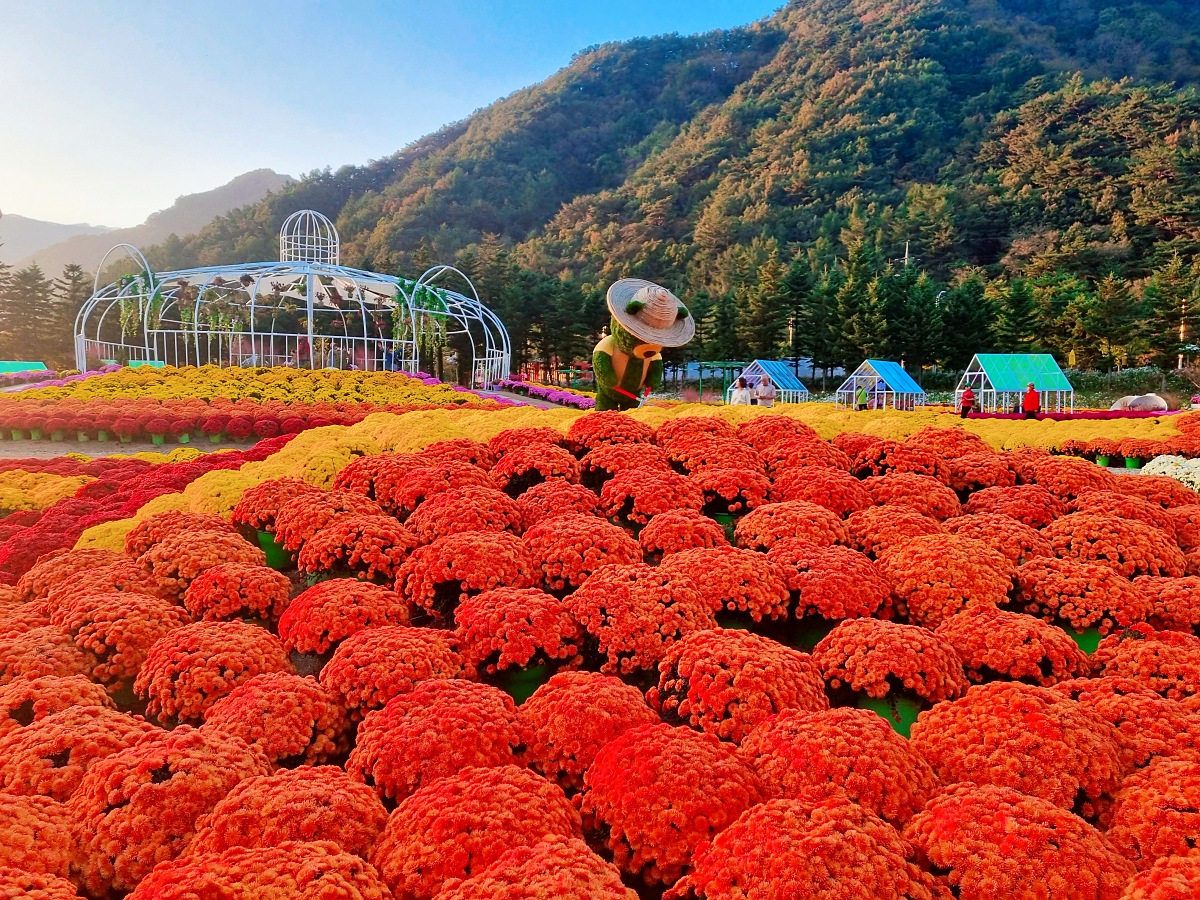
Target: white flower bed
1185 471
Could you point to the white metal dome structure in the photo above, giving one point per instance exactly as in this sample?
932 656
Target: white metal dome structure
305 310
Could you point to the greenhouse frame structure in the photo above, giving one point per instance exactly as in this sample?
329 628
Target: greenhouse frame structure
888 386
788 387
306 310
1000 380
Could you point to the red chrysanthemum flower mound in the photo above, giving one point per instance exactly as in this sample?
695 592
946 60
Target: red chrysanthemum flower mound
44 650
303 516
831 582
457 826
572 716
1016 540
24 701
434 731
558 867
177 561
368 547
49 757
1028 503
330 611
513 438
516 628
886 456
1170 878
1028 738
567 549
820 847
934 577
377 476
987 842
997 645
766 526
599 428
401 498
36 836
725 682
465 509
1160 489
854 750
731 492
685 427
1175 601
839 492
17 884
633 613
311 803
733 580
926 495
1079 595
1122 505
260 504
1168 662
59 567
978 471
525 467
636 496
462 450
1157 812
763 431
881 528
234 590
678 530
293 720
879 659
555 498
656 794
193 667
157 528
371 667
294 870
140 806
1128 546
437 577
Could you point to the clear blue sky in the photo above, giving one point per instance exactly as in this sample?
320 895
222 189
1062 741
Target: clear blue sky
111 110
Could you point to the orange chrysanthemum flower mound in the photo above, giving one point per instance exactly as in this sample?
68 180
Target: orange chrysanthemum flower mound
261 504
1016 540
880 528
24 618
694 426
1028 503
731 492
823 847
24 701
1168 662
571 717
599 428
725 682
516 628
1128 546
44 650
157 528
656 794
599 466
805 453
678 530
376 476
948 442
567 549
59 567
465 509
293 720
763 431
1159 489
636 496
294 870
36 836
50 757
1067 477
934 577
462 450
438 577
978 471
366 547
528 466
766 526
457 826
193 667
330 611
234 590
881 659
839 492
1175 601
371 667
302 517
1170 878
1028 738
691 456
16 884
923 493
996 645
179 560
831 582
401 497
1079 595
1157 812
1187 526
140 806
988 841
555 498
434 731
125 576
559 867
305 804
632 614
886 456
514 438
747 585
854 750
1125 506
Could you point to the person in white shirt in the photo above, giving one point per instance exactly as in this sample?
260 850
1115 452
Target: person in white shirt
765 392
740 396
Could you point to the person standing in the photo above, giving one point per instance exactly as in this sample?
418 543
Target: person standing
764 393
966 402
740 396
860 398
1032 403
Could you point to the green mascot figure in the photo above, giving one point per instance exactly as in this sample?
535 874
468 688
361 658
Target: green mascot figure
628 362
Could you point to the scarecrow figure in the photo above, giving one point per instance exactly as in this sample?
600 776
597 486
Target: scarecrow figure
628 362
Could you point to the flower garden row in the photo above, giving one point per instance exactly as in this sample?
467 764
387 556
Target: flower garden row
548 392
477 654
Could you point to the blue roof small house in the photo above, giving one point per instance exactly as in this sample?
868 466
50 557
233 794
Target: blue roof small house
1000 380
788 388
886 384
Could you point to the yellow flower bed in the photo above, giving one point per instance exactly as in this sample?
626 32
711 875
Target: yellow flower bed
21 490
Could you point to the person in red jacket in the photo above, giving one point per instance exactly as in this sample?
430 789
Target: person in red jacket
1032 404
966 402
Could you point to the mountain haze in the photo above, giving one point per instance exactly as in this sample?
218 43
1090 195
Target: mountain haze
21 235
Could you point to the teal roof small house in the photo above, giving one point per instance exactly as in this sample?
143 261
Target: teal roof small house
886 386
1001 379
788 387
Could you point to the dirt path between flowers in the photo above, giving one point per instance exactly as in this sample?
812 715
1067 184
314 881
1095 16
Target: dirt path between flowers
49 449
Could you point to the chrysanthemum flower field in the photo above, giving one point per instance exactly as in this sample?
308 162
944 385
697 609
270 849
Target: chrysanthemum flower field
684 653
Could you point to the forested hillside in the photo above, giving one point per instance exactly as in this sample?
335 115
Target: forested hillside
1036 163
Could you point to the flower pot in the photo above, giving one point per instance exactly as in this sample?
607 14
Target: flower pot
900 712
1132 462
725 520
127 439
1088 639
57 435
102 435
183 438
806 633
1103 461
35 434
158 439
215 438
277 557
729 620
521 683
17 434
82 437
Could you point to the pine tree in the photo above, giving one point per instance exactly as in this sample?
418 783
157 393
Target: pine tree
1172 306
1112 318
968 320
721 329
69 292
762 318
26 302
1016 324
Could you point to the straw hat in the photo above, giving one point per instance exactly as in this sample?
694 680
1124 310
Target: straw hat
650 313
